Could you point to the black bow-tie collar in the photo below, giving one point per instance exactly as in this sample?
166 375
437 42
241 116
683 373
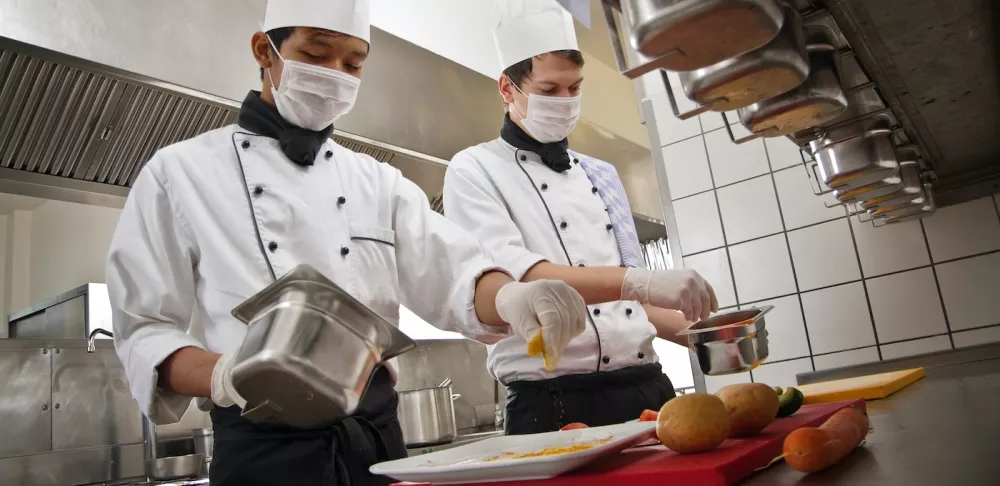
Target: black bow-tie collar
553 154
298 144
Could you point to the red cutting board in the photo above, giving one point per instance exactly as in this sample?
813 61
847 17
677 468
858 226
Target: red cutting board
733 461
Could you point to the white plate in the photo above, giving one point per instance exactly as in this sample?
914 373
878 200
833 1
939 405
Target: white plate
494 459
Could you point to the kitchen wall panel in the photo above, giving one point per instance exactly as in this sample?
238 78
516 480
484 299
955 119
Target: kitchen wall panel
861 293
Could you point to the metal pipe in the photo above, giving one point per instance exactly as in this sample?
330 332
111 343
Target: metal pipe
148 445
91 345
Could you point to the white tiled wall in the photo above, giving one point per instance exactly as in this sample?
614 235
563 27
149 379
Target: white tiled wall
844 292
749 210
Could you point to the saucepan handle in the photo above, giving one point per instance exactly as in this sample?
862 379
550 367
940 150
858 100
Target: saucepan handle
673 101
752 136
456 396
619 50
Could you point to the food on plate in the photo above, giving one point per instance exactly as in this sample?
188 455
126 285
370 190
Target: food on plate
552 451
648 416
811 449
789 401
697 422
574 426
751 407
536 347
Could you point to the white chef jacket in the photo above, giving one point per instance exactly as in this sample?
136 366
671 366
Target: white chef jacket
212 220
524 212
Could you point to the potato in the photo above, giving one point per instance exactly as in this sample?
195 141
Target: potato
693 423
751 406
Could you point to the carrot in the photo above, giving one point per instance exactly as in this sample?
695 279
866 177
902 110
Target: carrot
812 449
648 416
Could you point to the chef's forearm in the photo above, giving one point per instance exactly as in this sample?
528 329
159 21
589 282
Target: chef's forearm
668 323
486 297
597 285
188 372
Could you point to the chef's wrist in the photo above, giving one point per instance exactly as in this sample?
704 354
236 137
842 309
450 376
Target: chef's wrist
188 372
487 288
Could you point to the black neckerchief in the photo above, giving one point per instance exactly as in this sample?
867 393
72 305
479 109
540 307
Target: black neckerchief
553 154
298 144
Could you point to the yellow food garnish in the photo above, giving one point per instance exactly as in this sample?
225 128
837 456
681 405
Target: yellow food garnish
536 347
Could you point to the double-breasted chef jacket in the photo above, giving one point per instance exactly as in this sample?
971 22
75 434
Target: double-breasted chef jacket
212 220
524 212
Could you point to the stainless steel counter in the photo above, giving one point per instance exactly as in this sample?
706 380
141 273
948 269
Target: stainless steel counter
942 430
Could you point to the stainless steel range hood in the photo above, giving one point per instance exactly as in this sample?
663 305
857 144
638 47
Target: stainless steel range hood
76 130
82 107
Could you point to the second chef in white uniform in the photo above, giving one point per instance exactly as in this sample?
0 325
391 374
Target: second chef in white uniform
547 212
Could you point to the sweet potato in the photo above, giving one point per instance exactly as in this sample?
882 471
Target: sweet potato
811 449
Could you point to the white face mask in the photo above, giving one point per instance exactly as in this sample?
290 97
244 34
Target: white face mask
313 97
550 118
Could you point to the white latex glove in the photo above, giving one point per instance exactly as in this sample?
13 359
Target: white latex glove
545 310
682 290
223 393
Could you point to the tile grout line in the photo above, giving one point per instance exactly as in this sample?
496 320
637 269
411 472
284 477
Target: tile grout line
718 209
868 300
791 261
977 328
937 283
873 277
918 338
793 230
699 193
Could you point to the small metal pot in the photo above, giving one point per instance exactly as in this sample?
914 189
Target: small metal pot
911 189
427 416
778 67
310 350
910 212
818 100
731 342
204 443
855 158
882 187
674 31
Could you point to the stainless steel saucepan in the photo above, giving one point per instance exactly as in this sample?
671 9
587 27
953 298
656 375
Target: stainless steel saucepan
776 68
427 416
731 342
683 35
310 350
911 190
816 101
856 155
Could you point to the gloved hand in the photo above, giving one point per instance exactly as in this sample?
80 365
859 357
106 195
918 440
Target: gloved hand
223 393
546 313
682 290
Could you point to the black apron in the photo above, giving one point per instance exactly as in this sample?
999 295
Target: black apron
274 454
595 399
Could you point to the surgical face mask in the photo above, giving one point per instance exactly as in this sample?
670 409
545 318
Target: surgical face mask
550 118
313 97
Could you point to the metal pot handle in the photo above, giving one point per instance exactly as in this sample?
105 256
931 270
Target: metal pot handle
456 396
673 101
619 50
810 166
752 136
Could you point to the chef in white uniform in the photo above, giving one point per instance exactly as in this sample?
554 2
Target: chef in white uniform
212 220
546 212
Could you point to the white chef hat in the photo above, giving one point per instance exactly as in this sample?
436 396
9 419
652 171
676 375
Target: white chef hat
524 29
351 17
